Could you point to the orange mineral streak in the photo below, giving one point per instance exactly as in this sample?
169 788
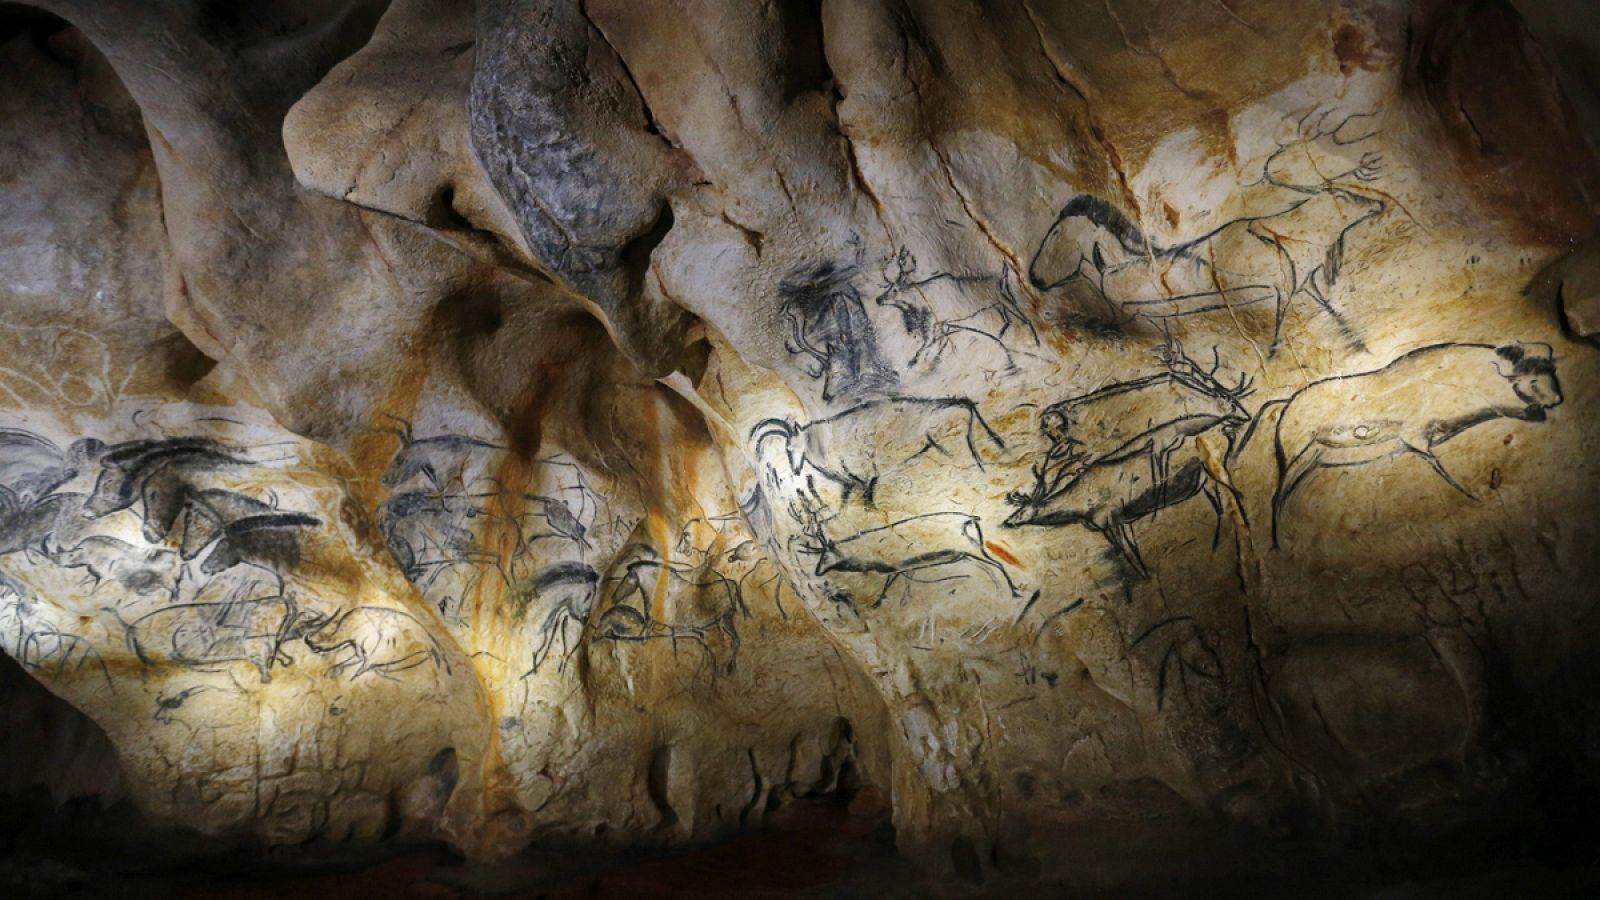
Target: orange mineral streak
486 632
373 447
656 519
371 452
501 537
1062 338
1005 555
1369 191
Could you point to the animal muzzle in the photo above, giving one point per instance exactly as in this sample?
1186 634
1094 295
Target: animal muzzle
1023 515
1539 395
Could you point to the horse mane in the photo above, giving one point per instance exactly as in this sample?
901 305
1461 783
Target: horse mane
1102 214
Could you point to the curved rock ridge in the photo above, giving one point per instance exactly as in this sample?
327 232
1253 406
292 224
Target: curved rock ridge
509 422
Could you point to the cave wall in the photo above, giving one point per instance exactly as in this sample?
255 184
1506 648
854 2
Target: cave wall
492 422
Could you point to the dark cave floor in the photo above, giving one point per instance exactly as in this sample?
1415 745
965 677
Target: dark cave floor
812 848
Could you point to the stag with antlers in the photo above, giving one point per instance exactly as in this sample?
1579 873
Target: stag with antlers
1133 448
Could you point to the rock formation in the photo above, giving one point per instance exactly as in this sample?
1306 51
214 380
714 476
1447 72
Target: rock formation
607 420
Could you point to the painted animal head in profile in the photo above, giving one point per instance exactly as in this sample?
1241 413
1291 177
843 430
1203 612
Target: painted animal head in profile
1056 425
1089 236
793 450
1531 369
312 625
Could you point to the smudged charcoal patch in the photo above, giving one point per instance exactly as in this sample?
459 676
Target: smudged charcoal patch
827 327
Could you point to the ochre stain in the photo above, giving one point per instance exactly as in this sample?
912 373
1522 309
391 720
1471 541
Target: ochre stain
1353 48
1114 158
656 495
1219 122
489 632
1004 554
1366 190
501 537
1063 337
374 447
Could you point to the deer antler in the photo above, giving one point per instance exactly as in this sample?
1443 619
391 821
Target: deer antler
904 264
1315 128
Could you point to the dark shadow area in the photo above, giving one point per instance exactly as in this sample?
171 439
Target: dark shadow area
834 846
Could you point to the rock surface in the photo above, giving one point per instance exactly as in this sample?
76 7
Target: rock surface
604 421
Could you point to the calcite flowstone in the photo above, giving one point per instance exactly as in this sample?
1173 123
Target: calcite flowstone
518 420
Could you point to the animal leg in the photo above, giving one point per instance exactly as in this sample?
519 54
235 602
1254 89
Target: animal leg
1216 507
1438 466
1318 294
1027 606
542 652
1159 468
972 415
984 558
1132 544
884 591
1238 502
1280 311
1289 479
931 444
938 341
844 493
1216 466
1120 534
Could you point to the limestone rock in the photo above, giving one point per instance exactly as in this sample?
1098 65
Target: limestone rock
606 422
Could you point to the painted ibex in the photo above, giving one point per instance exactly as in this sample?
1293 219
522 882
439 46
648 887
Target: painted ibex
1412 405
855 448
